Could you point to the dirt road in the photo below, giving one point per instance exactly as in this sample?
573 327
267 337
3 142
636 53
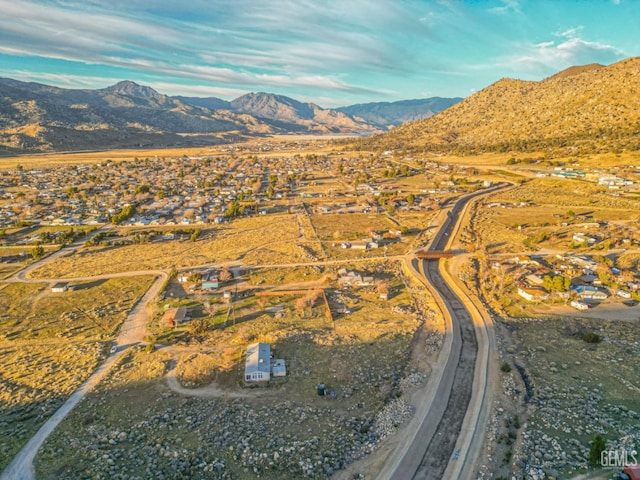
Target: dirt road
132 333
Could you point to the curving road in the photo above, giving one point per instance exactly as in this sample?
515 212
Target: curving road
456 381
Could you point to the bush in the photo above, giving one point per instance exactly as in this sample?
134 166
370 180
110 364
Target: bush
506 367
597 447
590 337
150 348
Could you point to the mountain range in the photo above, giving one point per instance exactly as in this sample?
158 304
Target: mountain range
583 109
383 114
39 118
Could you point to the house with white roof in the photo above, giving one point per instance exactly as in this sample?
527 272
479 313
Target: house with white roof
258 363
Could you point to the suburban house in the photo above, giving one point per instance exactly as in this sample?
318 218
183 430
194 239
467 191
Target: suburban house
582 238
352 278
533 294
210 282
257 367
173 317
60 287
588 292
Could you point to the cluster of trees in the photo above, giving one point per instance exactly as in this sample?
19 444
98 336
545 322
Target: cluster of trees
532 242
393 171
234 209
61 238
37 252
96 239
556 283
124 214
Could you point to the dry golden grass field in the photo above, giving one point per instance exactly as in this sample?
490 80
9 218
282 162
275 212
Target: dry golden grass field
50 343
548 204
83 158
259 240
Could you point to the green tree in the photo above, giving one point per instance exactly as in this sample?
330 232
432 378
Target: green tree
199 326
37 252
411 198
590 337
125 213
598 445
234 209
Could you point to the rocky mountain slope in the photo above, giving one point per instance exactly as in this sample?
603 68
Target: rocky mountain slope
295 116
35 117
580 110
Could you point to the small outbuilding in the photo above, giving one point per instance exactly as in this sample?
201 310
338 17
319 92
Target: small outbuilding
279 368
60 287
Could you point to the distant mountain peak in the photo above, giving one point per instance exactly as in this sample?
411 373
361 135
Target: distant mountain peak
132 89
385 114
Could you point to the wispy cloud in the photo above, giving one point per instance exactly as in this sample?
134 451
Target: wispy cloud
570 32
66 80
275 43
549 57
357 49
508 6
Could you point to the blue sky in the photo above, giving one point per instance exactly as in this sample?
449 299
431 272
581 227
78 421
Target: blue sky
332 52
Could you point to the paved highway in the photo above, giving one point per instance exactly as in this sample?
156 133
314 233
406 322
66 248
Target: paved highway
434 446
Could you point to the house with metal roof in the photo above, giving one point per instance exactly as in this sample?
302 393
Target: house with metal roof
258 364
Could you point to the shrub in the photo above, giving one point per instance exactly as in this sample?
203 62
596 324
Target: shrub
590 337
506 367
597 447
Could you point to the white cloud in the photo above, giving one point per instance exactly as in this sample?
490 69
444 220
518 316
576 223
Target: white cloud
549 57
